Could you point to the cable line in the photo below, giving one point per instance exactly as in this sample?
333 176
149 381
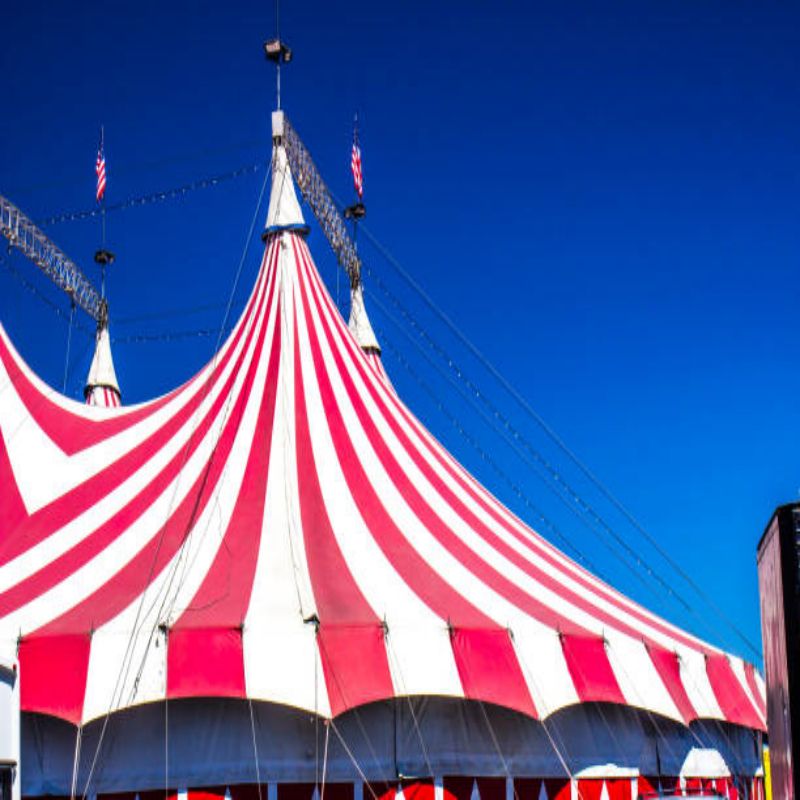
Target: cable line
546 523
558 441
147 165
69 341
156 197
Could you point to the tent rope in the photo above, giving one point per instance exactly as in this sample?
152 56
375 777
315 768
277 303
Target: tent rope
69 339
127 659
407 696
353 760
76 761
325 760
255 743
559 442
557 480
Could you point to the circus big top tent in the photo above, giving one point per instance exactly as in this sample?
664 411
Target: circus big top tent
275 577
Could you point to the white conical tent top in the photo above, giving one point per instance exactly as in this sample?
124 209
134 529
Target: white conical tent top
101 373
284 209
359 323
543 792
604 792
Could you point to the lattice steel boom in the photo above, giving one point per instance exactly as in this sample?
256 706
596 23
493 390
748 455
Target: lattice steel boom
318 197
62 270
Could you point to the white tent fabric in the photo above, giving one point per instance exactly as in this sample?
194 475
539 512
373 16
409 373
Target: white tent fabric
102 388
359 323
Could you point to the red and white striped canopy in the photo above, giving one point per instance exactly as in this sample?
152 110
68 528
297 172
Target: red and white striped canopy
283 528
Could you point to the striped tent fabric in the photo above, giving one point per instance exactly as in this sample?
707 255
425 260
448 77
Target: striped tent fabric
286 501
103 396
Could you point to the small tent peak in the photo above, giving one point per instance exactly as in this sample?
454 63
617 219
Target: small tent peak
359 323
101 387
284 209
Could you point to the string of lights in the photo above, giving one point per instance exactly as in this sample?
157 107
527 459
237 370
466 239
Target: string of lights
538 515
175 193
166 336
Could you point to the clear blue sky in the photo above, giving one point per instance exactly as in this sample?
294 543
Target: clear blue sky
603 196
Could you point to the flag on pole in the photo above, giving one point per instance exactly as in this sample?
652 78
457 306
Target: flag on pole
100 169
355 165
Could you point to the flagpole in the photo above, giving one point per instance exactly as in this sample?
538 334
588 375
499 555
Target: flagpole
103 257
355 216
358 210
103 220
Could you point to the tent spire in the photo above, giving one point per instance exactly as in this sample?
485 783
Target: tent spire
359 323
101 387
284 209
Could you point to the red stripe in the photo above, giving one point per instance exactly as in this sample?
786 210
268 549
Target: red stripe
755 689
12 507
355 665
62 567
55 669
57 514
484 654
205 662
544 549
421 790
590 669
111 598
429 518
668 666
205 651
489 670
347 623
74 433
413 569
592 788
734 703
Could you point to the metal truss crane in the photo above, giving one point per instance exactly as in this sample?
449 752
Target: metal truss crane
23 234
316 193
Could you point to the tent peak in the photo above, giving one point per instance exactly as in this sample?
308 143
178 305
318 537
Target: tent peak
284 209
102 388
359 323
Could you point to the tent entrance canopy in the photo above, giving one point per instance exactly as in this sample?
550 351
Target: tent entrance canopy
213 742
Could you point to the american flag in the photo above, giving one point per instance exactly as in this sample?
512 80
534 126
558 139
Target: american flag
355 165
100 169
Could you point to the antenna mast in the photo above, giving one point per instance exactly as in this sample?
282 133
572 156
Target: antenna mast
277 52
